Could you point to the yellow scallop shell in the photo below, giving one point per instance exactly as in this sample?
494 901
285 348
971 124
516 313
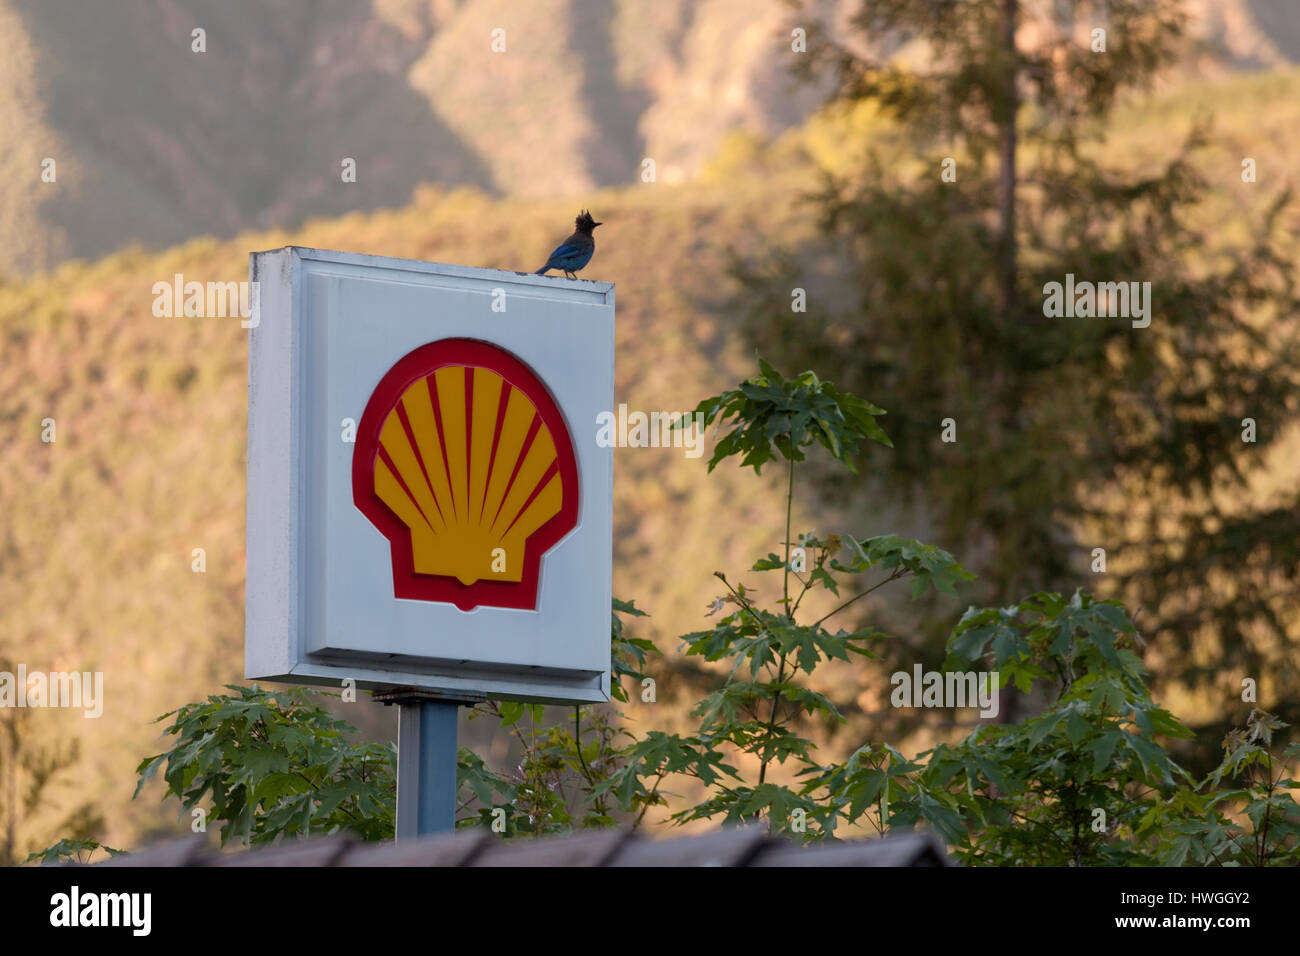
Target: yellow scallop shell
470 494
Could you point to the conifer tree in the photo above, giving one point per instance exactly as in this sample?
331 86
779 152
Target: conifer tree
1073 432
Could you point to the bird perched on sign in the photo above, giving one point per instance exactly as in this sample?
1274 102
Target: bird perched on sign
575 252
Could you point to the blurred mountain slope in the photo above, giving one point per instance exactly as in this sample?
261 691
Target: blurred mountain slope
155 143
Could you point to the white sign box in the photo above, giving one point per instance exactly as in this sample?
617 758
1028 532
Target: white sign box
427 502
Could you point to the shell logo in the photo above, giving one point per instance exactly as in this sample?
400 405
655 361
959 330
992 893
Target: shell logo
463 462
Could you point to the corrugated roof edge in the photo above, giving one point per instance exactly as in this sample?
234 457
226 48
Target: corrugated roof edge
728 847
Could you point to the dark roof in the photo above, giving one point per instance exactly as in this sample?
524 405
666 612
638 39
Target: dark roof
747 846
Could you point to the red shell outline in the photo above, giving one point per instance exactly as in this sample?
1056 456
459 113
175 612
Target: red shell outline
421 363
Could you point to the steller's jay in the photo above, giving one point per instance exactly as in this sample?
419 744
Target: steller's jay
575 252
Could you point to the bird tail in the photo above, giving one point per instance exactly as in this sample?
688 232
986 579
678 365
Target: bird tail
542 271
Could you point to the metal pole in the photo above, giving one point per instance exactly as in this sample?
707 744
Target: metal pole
426 767
426 759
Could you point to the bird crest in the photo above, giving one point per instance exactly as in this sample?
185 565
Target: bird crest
585 222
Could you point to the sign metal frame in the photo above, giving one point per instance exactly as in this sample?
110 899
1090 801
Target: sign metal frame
314 578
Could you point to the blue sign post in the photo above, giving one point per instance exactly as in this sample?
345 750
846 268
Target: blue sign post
426 758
